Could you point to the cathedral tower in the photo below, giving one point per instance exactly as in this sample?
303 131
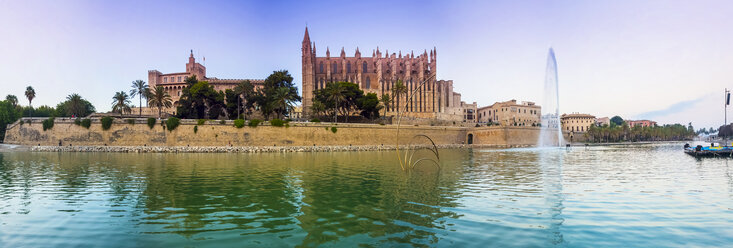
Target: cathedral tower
308 73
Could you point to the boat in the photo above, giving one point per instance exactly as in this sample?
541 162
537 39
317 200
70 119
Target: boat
709 151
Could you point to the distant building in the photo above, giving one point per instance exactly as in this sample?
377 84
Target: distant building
174 83
469 111
550 120
297 112
603 121
577 122
510 113
642 123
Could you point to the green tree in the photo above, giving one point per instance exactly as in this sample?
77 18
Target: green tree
41 111
76 104
340 97
282 101
8 114
317 108
336 95
369 106
12 99
30 94
160 98
266 98
81 107
246 99
139 89
386 100
232 103
398 90
617 120
121 103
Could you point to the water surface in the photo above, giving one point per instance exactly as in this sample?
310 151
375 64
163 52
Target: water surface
651 195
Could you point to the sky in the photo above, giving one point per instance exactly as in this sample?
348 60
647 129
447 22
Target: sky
668 61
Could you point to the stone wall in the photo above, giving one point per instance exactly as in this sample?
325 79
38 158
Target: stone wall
213 133
509 136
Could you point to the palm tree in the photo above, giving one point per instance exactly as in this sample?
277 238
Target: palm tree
282 101
336 96
75 104
159 98
399 89
385 101
121 103
139 89
30 93
12 99
318 107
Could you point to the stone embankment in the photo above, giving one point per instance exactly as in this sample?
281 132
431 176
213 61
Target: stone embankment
214 149
234 149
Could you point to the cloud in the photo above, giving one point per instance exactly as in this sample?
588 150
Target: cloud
678 107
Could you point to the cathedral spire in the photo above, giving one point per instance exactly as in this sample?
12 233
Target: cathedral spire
306 37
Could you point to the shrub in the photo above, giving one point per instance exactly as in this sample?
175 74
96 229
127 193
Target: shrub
131 121
239 123
316 120
223 122
333 129
288 120
151 122
86 123
77 121
254 123
28 122
172 123
106 122
477 125
48 124
277 122
195 129
201 122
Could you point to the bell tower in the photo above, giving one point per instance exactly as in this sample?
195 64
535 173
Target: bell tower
309 77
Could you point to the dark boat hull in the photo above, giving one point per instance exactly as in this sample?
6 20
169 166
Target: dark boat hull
704 153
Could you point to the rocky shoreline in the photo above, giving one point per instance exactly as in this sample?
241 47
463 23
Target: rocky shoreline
224 149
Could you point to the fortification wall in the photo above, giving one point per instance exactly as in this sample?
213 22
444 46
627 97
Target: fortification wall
213 133
509 136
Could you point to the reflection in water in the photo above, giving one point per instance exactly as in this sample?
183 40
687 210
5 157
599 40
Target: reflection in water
551 162
606 196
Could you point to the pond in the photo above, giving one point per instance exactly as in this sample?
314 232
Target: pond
639 195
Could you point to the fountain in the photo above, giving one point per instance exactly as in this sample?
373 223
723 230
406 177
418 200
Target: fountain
551 106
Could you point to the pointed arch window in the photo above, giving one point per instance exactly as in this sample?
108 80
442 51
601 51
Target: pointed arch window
364 67
335 68
321 66
348 67
368 83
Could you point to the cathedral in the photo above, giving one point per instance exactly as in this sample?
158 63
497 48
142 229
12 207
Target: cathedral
379 74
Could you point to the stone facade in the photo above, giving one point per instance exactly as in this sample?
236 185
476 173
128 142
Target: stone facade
642 123
510 113
174 83
603 121
576 122
378 74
